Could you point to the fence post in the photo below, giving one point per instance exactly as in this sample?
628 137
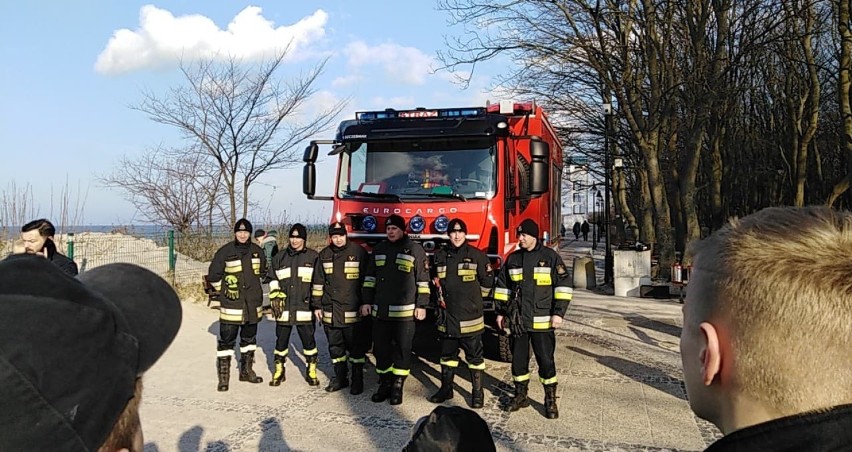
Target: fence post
71 246
172 256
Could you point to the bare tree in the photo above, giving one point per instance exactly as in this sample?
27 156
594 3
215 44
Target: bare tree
243 117
171 186
843 12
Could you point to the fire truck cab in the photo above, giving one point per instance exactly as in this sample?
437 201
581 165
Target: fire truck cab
491 166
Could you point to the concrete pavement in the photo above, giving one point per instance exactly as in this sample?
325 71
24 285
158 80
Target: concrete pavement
620 389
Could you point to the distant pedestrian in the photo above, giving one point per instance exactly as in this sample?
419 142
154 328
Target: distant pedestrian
535 286
268 241
562 230
292 274
576 230
38 239
585 230
235 273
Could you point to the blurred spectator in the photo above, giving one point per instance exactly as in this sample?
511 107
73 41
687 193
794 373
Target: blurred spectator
38 239
451 428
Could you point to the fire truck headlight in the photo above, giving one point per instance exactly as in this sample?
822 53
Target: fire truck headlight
417 223
369 223
502 125
441 223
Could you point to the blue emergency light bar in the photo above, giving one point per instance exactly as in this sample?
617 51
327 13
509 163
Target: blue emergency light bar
420 113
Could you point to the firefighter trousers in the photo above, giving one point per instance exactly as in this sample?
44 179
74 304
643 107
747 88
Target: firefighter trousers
306 334
472 346
392 342
351 339
543 346
228 337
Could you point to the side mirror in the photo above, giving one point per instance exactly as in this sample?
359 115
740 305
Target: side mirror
309 178
311 153
539 167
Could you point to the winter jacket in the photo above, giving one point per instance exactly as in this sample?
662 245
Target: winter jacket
235 274
337 283
291 275
396 281
466 277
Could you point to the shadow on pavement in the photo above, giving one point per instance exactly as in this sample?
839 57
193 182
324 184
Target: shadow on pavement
638 372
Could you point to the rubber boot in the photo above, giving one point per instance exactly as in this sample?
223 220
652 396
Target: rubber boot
396 390
446 391
385 386
311 371
278 374
550 409
357 386
520 400
246 370
223 365
340 380
477 396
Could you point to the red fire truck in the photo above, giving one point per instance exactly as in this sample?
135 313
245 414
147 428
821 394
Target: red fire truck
491 166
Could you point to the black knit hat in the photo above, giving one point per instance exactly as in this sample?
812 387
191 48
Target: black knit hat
259 233
456 224
242 225
529 228
395 220
298 231
336 228
64 384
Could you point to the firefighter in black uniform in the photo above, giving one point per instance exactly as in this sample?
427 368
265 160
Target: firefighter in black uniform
540 303
337 288
464 276
396 291
291 276
235 275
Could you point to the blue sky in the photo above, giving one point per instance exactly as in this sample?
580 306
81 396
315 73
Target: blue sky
71 70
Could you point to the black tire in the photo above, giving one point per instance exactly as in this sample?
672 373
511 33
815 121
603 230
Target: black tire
496 346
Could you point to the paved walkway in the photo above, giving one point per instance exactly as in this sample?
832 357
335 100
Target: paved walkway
620 389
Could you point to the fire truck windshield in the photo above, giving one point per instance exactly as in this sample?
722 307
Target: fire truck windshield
421 169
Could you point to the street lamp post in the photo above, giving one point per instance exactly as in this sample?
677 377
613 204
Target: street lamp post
608 260
596 236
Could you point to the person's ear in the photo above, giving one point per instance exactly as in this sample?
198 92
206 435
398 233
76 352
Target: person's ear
711 357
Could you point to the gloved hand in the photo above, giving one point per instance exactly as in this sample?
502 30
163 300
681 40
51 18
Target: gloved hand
276 302
232 287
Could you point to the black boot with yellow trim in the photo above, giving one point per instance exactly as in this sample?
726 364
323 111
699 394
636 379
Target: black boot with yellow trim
311 370
340 379
278 375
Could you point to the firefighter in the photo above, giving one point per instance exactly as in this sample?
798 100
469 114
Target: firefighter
291 276
337 289
235 274
396 291
464 276
542 301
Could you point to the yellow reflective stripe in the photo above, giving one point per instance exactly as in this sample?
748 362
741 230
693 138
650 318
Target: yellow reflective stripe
407 258
305 273
521 377
484 291
310 352
217 285
480 366
342 359
547 381
351 317
501 294
369 281
384 371
231 315
540 270
516 274
221 353
423 287
468 266
328 267
283 273
450 363
284 352
248 348
355 264
380 259
255 265
442 328
463 272
401 372
563 293
441 269
316 290
470 326
284 317
406 310
233 266
541 322
303 316
357 360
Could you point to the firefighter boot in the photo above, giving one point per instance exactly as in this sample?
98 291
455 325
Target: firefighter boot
385 385
357 379
550 410
278 374
246 370
339 381
446 390
223 365
311 371
477 396
520 400
396 390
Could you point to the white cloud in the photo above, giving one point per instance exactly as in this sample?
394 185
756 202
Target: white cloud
163 39
346 80
408 65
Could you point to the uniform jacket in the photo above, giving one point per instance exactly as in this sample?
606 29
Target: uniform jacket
235 273
466 276
397 280
829 430
292 273
544 282
337 283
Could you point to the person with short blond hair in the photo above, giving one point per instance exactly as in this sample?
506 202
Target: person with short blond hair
767 330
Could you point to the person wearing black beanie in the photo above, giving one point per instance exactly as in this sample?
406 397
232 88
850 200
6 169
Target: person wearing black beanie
531 297
235 273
